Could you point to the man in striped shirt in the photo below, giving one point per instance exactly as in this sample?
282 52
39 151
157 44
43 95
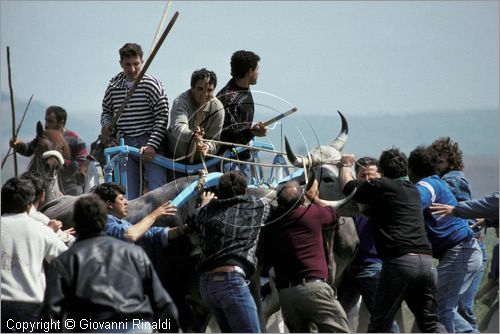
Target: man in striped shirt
143 123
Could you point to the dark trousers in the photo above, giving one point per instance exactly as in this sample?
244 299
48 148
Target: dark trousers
13 312
411 278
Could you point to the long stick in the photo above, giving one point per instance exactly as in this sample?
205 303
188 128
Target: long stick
144 69
280 116
12 109
163 17
18 128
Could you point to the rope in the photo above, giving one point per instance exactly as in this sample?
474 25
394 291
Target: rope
247 162
202 173
242 145
140 176
183 157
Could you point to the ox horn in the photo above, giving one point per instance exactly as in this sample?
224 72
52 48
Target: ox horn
338 143
338 204
294 160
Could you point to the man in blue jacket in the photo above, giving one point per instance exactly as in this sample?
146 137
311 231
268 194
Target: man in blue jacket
452 239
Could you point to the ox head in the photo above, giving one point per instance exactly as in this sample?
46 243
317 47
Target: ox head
322 162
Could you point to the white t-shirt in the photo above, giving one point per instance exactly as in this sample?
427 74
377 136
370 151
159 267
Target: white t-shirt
67 238
25 243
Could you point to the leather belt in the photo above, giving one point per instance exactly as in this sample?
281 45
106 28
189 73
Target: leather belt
418 254
228 269
301 281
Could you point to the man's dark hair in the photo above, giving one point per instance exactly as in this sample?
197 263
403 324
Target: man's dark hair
201 75
393 163
37 181
243 61
364 162
108 191
130 50
61 114
290 195
17 194
423 161
89 215
232 184
449 151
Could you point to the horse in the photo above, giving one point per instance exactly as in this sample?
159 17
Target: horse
49 151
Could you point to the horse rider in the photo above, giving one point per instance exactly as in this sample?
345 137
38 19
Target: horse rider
73 179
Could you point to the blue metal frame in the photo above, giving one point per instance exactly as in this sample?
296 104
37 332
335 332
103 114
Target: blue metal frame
117 156
212 179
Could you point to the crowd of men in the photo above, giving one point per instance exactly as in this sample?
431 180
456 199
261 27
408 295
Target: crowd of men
416 210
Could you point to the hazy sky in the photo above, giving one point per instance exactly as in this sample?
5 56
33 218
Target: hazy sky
358 57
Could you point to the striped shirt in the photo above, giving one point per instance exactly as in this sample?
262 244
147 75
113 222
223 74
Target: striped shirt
145 113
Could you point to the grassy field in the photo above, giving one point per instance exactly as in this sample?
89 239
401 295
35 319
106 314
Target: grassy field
491 241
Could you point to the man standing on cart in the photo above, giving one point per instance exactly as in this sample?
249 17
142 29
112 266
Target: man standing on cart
143 123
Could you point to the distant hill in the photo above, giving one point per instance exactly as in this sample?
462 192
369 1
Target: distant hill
476 131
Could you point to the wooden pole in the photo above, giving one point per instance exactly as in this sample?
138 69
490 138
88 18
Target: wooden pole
12 109
163 17
18 128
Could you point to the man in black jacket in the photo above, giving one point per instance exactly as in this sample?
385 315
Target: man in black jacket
102 283
408 272
237 99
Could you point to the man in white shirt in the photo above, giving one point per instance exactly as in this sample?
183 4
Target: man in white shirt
25 245
38 182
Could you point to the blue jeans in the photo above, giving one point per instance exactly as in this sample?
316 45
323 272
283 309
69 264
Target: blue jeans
457 269
411 278
467 317
230 301
155 175
361 280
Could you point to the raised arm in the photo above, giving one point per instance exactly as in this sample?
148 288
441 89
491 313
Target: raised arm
486 207
137 231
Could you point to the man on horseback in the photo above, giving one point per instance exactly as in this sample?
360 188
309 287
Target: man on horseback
71 175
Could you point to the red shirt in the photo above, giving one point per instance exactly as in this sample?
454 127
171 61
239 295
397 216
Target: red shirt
293 243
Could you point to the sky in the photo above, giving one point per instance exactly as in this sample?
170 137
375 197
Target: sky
366 59
362 58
